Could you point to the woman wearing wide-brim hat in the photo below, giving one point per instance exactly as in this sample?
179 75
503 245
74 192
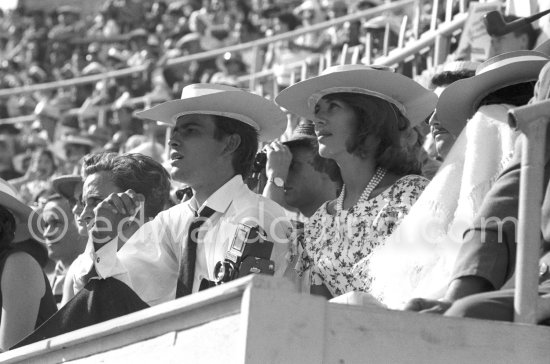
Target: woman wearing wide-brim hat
363 116
25 294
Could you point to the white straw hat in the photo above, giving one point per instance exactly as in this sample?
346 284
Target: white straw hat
414 101
460 100
211 99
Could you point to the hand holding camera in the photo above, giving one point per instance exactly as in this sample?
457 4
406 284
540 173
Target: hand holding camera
248 253
279 158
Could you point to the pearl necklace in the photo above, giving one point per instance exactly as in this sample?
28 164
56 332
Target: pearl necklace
375 180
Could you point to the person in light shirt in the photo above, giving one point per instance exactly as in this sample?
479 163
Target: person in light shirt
213 142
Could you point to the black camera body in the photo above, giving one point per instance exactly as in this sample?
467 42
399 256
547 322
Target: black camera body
248 253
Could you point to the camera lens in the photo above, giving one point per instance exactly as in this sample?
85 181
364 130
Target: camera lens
259 162
222 272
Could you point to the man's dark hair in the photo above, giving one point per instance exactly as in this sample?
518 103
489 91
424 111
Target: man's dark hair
243 157
137 172
445 78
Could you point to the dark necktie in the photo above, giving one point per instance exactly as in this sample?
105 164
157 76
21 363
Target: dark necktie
189 255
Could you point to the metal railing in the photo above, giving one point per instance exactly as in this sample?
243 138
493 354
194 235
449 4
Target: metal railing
434 40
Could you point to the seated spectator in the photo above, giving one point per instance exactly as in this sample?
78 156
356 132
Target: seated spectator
62 239
427 244
310 13
25 294
377 28
449 73
297 177
487 257
69 25
282 53
300 180
211 162
360 126
37 177
230 66
76 147
70 188
523 38
47 115
124 119
457 281
108 173
7 152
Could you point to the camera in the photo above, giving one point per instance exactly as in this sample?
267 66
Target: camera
259 163
248 253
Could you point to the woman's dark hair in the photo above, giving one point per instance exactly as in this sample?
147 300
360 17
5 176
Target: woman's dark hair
134 171
7 227
386 126
516 95
243 157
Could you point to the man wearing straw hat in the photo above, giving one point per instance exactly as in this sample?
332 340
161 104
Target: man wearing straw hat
213 142
495 256
485 261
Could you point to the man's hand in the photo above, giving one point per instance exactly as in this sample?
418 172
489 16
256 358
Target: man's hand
113 212
425 305
279 158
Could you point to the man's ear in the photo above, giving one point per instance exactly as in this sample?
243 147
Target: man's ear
232 142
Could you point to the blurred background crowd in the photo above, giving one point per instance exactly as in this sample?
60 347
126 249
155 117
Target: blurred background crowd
41 44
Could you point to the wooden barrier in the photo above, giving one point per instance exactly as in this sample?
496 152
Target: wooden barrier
260 319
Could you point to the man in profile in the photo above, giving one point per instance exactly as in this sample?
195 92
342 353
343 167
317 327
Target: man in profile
213 142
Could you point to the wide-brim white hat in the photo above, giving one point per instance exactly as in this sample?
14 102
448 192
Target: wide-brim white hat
414 101
211 99
21 211
460 100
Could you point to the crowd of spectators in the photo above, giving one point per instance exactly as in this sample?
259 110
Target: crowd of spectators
351 166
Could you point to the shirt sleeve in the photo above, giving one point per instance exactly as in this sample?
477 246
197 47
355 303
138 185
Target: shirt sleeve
489 247
148 261
106 262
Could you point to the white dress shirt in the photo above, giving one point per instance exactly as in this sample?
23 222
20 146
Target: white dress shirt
149 261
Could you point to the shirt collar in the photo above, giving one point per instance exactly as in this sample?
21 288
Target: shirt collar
220 200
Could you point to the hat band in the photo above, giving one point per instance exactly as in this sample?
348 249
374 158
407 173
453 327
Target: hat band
240 117
314 99
511 60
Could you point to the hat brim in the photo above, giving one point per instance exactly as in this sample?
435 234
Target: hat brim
79 141
66 185
21 212
270 120
460 100
417 101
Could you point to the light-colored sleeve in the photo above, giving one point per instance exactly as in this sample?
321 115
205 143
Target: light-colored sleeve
279 230
148 262
106 262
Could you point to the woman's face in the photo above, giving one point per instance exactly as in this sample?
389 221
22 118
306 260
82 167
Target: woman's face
335 123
